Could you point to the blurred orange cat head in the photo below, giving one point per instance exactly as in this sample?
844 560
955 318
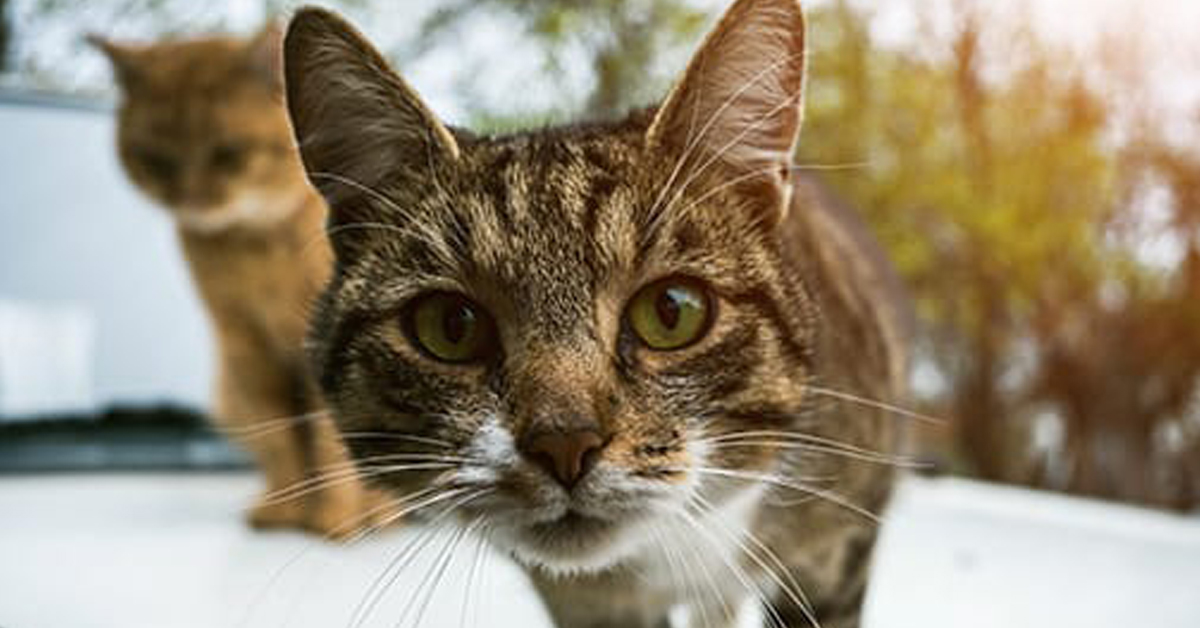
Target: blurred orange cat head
202 128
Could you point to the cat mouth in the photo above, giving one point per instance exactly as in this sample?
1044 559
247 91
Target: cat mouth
571 526
572 542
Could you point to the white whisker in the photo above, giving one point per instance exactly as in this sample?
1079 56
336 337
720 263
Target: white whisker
406 555
339 478
395 436
791 587
871 403
809 442
737 571
811 490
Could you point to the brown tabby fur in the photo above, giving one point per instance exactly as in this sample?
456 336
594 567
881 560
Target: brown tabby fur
202 131
724 470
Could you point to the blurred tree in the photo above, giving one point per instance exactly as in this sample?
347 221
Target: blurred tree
624 40
47 37
998 190
999 199
1125 372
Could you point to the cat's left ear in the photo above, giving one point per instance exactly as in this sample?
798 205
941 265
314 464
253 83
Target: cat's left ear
357 123
737 110
264 55
125 59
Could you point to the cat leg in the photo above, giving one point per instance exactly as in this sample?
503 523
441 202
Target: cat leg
713 614
843 611
251 398
843 618
840 587
572 618
608 600
346 505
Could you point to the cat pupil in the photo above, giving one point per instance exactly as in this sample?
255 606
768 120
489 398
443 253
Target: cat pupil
669 306
458 323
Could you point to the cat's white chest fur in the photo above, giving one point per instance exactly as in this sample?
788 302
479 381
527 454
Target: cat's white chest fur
701 558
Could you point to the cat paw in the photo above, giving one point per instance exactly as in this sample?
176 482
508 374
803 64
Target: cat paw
272 514
345 519
382 509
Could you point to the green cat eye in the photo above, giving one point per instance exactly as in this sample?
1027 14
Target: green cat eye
671 314
450 327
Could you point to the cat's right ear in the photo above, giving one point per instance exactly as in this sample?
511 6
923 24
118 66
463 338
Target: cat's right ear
738 107
264 55
356 122
125 59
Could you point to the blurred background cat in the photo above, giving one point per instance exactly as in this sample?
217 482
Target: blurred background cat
202 131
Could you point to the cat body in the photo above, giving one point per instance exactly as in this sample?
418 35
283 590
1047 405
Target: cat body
643 358
203 132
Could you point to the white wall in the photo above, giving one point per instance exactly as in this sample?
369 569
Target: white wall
76 236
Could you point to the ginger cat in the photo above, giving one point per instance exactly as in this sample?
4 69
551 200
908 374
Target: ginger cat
203 132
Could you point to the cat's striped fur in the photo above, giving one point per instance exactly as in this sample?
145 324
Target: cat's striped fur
724 470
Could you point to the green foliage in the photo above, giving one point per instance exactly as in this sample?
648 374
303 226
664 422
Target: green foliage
1009 205
965 200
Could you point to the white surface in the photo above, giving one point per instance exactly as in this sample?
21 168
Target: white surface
168 551
73 231
47 358
956 553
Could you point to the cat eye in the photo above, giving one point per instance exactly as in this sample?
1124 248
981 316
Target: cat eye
450 327
160 165
671 314
228 156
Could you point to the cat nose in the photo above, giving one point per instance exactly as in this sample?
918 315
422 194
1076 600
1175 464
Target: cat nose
566 455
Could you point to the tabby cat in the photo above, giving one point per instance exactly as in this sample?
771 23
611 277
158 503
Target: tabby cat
202 130
621 351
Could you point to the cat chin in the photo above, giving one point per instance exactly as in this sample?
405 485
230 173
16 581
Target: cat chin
572 546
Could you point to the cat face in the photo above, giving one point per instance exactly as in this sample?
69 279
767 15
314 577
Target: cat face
202 128
545 333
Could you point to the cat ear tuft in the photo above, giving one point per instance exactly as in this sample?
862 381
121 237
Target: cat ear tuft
125 59
356 122
264 54
738 105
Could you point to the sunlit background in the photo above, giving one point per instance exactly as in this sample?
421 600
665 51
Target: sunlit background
1033 168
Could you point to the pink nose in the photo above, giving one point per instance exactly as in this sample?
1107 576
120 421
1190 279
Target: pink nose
565 455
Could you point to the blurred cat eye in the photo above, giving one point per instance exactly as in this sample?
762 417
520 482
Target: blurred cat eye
671 314
159 164
450 327
228 156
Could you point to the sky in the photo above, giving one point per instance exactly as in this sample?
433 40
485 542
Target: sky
1170 30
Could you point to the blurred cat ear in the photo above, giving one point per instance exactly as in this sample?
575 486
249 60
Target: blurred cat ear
355 120
264 54
737 110
125 59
